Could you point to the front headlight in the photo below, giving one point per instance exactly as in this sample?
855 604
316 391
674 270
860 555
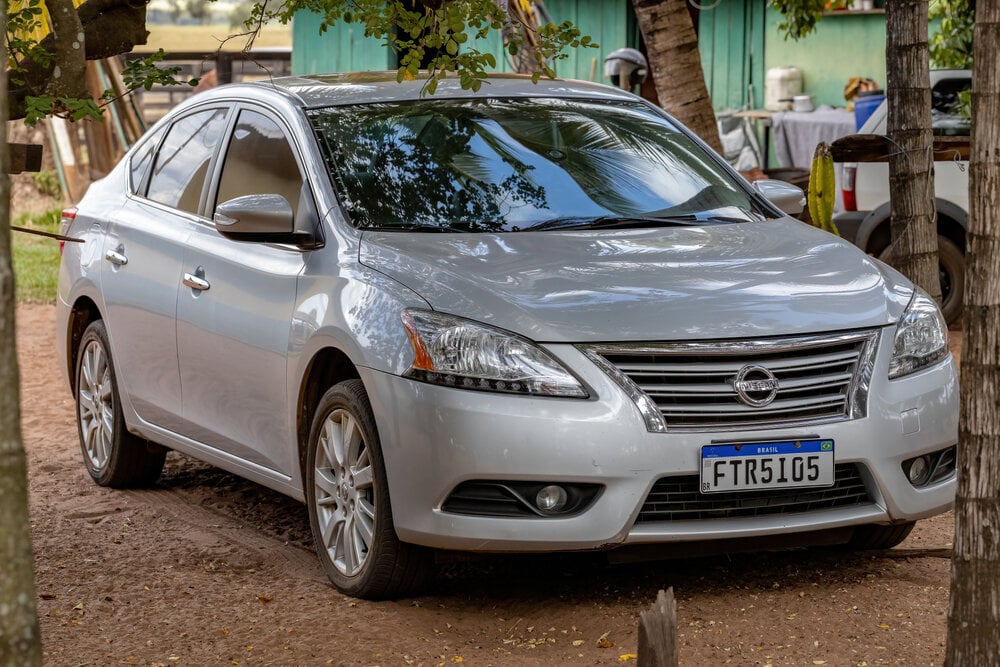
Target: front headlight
921 337
456 352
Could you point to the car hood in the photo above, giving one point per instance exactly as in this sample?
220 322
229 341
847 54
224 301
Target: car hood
743 280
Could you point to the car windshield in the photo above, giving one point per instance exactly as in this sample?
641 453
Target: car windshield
514 165
950 113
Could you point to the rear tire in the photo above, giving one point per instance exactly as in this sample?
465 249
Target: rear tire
951 263
874 536
348 497
113 456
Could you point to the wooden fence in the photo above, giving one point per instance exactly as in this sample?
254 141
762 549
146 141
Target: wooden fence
215 67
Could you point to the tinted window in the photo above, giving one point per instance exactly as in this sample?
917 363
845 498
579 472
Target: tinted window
182 161
511 164
142 157
950 113
259 161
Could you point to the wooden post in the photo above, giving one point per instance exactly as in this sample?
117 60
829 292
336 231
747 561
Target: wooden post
62 139
658 633
100 143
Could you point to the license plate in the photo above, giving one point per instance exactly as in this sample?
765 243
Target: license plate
766 465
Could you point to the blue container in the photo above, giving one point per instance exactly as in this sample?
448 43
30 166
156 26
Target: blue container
865 105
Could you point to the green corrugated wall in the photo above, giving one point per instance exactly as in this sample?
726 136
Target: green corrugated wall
344 48
731 40
845 44
739 41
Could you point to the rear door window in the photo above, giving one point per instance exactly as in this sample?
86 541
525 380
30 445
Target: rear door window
182 162
141 159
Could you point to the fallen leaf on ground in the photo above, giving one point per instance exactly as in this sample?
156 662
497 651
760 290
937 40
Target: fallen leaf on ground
604 642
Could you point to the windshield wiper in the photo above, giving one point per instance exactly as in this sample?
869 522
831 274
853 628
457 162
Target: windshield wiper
627 221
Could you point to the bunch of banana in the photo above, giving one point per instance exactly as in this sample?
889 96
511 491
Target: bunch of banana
822 189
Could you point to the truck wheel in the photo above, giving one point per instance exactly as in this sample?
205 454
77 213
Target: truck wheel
951 263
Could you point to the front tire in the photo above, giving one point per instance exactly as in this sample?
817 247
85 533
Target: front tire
874 536
113 456
348 498
951 265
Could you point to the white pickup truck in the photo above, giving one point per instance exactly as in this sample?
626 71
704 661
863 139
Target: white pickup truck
865 191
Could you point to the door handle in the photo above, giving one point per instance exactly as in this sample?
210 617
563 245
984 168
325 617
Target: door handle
196 282
116 257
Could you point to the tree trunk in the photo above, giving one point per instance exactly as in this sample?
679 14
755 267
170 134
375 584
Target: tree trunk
675 63
974 613
911 165
20 643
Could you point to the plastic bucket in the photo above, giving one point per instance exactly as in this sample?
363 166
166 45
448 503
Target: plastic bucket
865 105
780 86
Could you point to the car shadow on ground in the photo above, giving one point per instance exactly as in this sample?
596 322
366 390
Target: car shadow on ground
514 578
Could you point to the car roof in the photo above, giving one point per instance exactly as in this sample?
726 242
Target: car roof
324 90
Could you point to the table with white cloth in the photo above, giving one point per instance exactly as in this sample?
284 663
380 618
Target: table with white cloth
796 133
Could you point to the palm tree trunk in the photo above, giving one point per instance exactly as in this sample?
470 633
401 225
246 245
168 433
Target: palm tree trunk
675 64
19 639
911 176
974 613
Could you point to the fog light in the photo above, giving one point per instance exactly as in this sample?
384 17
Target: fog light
920 470
551 498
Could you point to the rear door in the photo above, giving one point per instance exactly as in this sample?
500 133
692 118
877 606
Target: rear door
234 316
142 260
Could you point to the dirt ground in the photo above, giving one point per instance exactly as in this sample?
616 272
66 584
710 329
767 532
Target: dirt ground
207 569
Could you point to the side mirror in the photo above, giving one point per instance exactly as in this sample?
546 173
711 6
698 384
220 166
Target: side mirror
256 218
785 196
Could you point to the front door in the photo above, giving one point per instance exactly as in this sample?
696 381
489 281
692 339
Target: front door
234 313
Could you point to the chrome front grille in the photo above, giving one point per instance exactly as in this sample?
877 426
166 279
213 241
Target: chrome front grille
693 386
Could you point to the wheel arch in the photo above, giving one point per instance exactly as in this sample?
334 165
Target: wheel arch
328 366
83 312
874 234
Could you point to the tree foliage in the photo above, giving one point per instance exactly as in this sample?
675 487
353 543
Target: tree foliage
799 17
46 55
431 35
435 34
951 43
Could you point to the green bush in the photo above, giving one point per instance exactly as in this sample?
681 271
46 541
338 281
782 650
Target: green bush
47 182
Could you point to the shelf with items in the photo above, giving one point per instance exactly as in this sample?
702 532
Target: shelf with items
854 12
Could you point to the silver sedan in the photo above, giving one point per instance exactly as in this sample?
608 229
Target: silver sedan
533 318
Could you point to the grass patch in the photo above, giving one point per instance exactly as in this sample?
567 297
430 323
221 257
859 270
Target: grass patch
36 258
208 37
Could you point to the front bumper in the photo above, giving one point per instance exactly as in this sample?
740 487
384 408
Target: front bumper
434 438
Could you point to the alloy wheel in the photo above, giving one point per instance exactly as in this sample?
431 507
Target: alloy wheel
345 492
97 406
